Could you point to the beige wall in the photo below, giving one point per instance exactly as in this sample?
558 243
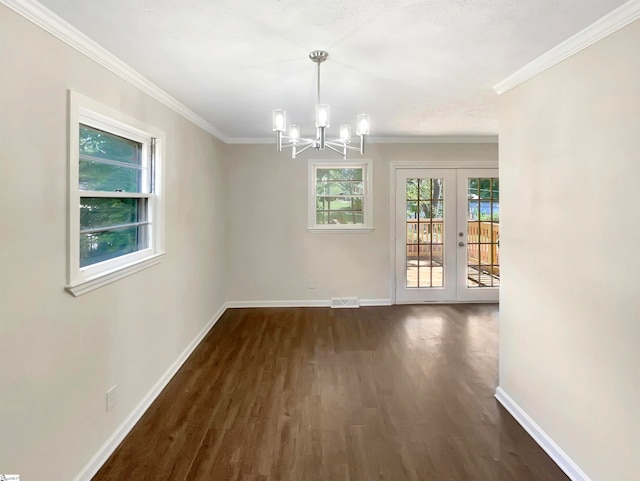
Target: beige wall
60 354
272 256
570 309
236 219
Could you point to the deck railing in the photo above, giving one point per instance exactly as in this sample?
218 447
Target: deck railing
483 249
482 238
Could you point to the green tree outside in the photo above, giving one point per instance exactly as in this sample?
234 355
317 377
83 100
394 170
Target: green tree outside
109 163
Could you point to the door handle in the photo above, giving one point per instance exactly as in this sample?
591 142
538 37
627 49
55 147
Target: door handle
461 244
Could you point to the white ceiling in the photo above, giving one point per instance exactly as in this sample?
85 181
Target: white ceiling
418 67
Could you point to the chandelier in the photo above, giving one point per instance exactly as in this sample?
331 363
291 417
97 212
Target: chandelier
299 144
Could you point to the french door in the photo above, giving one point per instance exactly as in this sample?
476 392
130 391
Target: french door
447 235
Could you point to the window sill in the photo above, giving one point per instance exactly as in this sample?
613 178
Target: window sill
340 230
88 285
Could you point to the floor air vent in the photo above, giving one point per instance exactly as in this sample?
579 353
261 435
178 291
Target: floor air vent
343 302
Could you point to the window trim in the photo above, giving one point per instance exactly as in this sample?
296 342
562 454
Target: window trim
367 197
80 280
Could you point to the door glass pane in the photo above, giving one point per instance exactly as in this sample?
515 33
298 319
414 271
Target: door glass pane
438 276
412 189
425 235
483 233
425 210
412 233
425 188
473 210
412 275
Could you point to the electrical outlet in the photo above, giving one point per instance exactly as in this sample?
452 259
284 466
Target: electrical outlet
311 284
112 397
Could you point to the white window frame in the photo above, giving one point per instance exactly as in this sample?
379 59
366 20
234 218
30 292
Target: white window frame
85 111
367 200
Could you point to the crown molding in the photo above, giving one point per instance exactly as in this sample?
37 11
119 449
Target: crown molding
421 139
251 140
44 18
610 23
436 139
59 28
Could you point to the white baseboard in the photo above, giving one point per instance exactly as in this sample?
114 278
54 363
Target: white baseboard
375 302
110 445
310 303
554 451
305 303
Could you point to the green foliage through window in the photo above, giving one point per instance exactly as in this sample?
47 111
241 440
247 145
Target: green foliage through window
110 163
103 145
339 196
425 198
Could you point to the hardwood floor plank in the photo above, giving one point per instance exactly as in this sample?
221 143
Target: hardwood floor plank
305 394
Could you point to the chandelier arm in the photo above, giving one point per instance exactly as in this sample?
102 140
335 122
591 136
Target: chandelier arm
331 147
300 144
300 139
341 145
306 148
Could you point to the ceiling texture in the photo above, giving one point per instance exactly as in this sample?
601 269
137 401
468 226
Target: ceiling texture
420 68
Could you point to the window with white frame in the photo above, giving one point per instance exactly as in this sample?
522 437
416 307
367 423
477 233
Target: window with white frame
115 202
340 196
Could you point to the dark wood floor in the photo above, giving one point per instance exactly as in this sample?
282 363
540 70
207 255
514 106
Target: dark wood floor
379 393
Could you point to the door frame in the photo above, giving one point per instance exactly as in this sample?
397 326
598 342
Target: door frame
396 165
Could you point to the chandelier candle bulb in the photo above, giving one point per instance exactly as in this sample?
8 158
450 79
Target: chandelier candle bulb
279 117
322 115
345 134
294 133
363 124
